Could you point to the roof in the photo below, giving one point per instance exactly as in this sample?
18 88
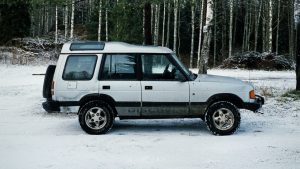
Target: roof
117 47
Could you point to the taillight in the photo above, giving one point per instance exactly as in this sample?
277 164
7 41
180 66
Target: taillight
252 94
52 88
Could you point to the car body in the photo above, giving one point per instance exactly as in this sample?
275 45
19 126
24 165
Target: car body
133 82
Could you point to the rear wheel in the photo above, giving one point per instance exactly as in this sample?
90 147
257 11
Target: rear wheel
222 118
96 117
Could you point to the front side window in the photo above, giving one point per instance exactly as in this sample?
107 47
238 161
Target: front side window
119 67
80 67
159 67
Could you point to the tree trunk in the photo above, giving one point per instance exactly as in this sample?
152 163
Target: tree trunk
156 24
168 24
66 19
152 19
106 21
47 19
224 32
178 28
298 57
278 26
100 20
147 35
200 33
264 27
270 32
144 25
163 26
215 33
206 40
56 23
291 29
193 32
72 20
175 25
257 22
245 34
249 27
230 29
235 16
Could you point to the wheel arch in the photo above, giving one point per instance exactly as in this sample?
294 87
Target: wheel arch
96 96
229 97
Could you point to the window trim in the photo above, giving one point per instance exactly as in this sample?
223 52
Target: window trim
137 73
79 56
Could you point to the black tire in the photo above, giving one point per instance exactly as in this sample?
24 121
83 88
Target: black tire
107 110
212 113
48 81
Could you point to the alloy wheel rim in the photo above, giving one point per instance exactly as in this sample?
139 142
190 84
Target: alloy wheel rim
223 119
96 118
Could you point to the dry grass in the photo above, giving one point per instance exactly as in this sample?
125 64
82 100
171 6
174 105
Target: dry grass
293 94
266 91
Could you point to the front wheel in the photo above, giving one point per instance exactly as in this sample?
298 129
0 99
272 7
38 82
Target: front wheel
222 118
96 117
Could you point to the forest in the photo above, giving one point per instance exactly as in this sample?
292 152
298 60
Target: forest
204 33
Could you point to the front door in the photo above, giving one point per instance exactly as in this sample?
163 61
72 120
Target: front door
165 91
118 79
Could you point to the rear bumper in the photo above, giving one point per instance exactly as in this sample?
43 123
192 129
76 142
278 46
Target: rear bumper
256 105
51 106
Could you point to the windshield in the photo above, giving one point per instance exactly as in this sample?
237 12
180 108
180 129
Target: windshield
184 68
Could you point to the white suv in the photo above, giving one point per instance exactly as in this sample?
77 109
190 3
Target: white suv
102 81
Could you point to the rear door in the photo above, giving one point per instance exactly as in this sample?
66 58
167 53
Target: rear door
165 91
118 79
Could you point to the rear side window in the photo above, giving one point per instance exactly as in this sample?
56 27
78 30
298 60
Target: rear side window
80 67
119 67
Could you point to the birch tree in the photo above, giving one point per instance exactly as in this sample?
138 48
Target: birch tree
100 20
106 21
163 26
175 25
56 25
147 24
193 32
215 32
278 25
270 27
257 22
200 32
72 20
66 19
291 28
156 24
230 28
206 37
297 17
168 24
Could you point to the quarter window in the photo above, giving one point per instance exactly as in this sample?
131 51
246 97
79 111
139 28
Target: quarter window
80 67
119 67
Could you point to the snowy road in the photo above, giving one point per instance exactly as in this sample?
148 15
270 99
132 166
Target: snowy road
31 138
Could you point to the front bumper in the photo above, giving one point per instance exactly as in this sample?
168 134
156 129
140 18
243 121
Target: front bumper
51 106
256 105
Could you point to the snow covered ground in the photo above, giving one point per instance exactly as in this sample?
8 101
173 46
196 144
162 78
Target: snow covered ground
32 138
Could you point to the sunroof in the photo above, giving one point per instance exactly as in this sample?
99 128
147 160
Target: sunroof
87 46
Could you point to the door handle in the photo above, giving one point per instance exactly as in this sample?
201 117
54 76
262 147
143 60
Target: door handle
148 87
106 87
